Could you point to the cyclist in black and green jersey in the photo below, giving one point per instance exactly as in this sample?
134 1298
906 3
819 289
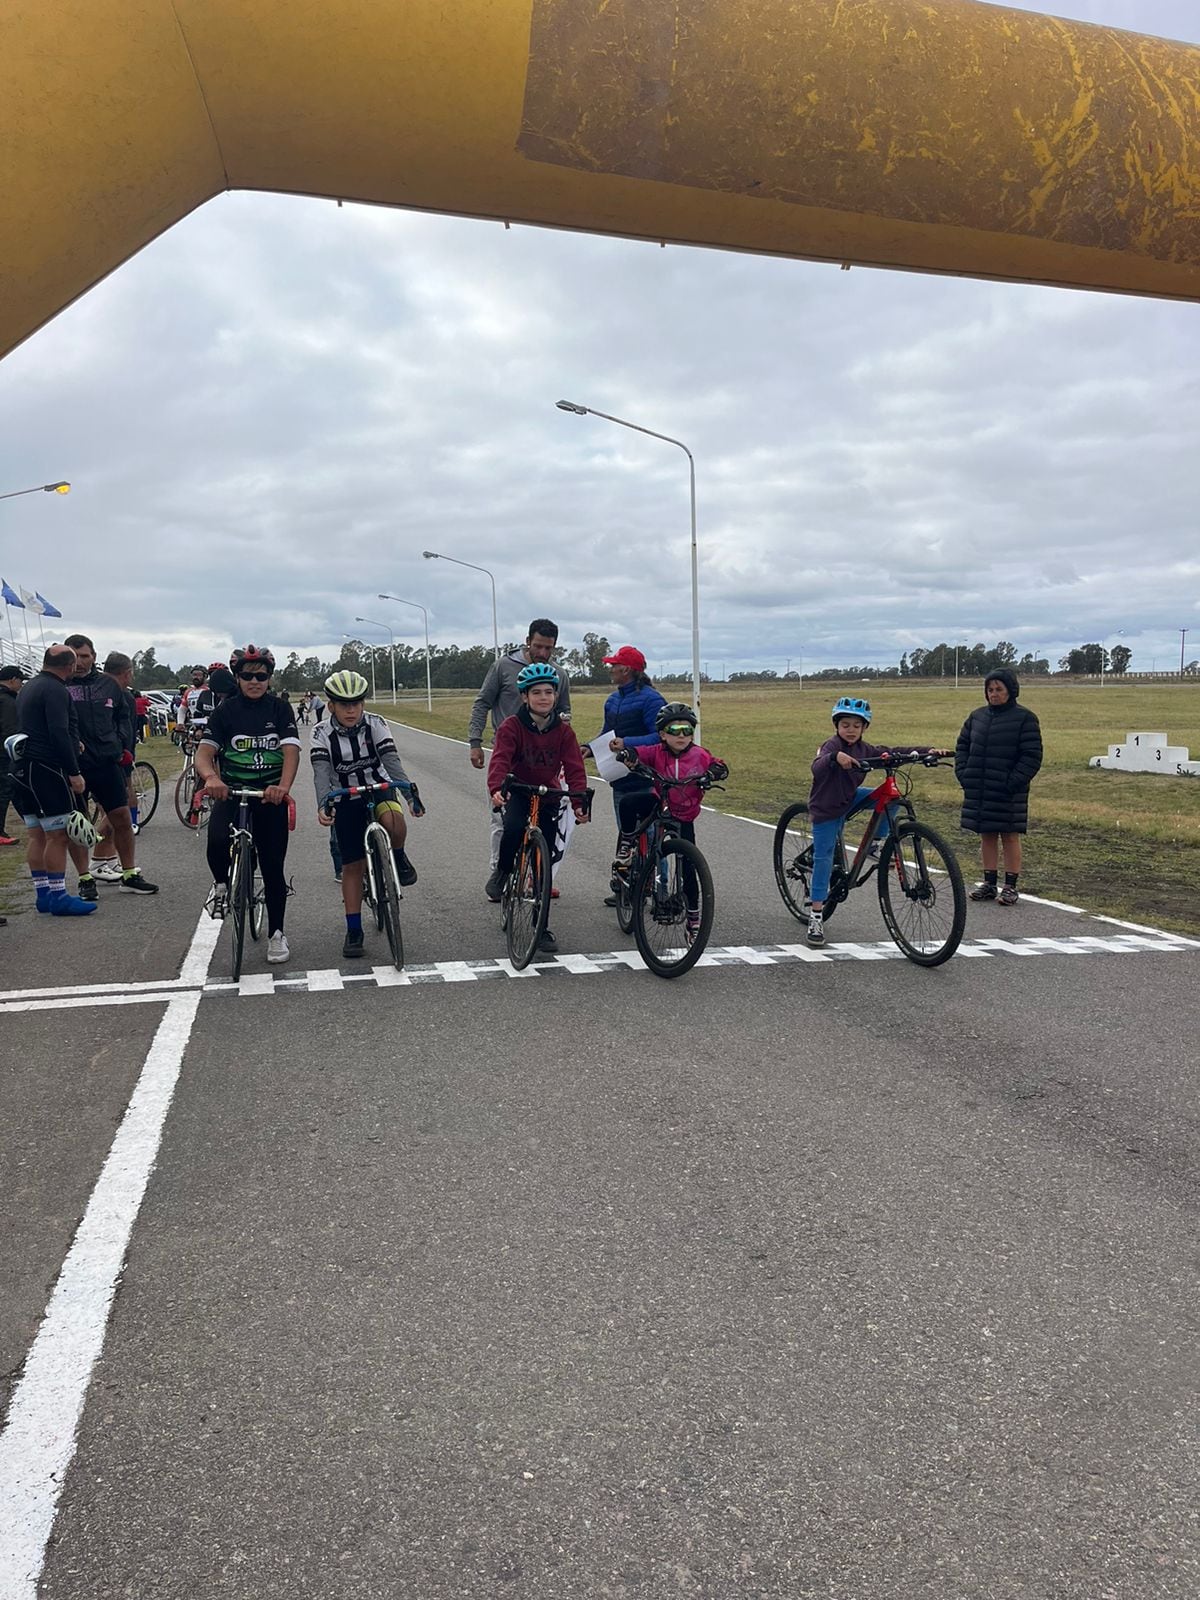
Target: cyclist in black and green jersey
251 742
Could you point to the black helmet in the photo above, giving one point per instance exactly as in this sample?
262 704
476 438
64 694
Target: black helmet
675 711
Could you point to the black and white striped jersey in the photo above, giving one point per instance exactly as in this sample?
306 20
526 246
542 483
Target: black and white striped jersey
344 758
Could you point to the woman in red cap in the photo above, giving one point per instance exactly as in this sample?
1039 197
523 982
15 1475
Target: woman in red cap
629 715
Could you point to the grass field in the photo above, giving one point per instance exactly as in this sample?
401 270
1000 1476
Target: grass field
166 760
1115 842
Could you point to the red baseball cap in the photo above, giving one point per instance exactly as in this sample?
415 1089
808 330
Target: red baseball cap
627 656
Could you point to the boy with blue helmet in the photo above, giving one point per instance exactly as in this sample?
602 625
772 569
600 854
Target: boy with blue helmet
836 792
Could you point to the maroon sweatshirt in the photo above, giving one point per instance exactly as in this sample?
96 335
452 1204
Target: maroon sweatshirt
521 752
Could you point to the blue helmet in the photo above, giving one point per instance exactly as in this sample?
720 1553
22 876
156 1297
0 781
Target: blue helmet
537 672
851 706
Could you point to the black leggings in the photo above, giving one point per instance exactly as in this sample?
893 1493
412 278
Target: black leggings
634 808
516 814
269 826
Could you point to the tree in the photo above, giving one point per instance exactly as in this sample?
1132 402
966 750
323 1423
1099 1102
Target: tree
1119 660
595 648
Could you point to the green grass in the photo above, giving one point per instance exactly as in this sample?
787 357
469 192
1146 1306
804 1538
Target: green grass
166 760
1117 842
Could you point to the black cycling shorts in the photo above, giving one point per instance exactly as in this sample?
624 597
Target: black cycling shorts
107 785
350 819
41 791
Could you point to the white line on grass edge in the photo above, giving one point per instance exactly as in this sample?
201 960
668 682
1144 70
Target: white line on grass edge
755 822
38 1440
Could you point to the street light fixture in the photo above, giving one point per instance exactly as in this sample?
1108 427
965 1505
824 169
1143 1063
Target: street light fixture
957 648
428 677
1104 652
436 555
372 623
586 411
39 488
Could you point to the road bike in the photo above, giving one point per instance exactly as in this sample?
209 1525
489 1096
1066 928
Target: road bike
381 883
193 803
921 891
246 905
525 893
666 898
142 787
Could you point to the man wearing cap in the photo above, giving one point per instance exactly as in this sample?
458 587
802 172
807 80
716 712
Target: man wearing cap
11 679
629 714
502 698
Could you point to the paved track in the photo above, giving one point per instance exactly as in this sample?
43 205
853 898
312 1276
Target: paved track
794 1277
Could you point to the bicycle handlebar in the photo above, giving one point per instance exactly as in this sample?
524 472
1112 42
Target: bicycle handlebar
699 780
355 791
898 758
512 785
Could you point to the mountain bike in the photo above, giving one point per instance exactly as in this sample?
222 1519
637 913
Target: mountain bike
381 885
525 893
193 804
246 903
668 885
921 891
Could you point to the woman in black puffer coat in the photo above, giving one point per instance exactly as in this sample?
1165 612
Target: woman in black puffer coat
998 754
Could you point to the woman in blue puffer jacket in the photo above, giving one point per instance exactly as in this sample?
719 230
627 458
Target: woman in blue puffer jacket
629 714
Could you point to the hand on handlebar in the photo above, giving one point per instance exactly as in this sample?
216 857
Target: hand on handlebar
214 787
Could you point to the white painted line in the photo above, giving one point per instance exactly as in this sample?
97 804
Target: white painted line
509 971
39 1437
389 978
1138 927
204 941
801 952
751 956
579 964
256 983
1009 946
457 972
1055 905
73 1002
326 980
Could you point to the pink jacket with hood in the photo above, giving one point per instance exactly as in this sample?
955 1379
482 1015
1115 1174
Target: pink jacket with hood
684 804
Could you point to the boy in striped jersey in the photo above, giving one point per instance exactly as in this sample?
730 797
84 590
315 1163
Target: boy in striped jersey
353 748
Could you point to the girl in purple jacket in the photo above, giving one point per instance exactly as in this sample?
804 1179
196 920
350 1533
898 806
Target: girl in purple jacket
836 792
676 756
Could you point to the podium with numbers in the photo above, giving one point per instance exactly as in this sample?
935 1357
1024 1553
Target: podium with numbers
1149 752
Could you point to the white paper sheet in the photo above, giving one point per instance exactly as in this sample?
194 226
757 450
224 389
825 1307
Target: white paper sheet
607 765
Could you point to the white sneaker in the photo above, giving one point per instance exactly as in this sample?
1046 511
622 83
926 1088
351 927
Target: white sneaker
277 949
108 871
816 929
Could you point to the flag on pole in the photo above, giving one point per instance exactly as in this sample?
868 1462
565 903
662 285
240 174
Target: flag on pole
47 609
32 603
11 598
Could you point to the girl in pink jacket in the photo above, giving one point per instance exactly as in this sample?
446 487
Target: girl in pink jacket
677 756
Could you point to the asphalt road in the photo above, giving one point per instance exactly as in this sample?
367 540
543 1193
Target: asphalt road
792 1277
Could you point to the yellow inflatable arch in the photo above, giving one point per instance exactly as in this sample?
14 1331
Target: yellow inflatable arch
940 135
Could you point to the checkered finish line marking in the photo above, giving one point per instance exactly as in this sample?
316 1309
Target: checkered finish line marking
331 980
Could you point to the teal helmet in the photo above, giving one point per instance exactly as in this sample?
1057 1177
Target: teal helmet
537 672
851 706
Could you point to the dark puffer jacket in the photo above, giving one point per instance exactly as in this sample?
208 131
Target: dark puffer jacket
998 754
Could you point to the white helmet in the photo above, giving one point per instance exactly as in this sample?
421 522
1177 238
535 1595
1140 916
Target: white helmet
14 745
80 830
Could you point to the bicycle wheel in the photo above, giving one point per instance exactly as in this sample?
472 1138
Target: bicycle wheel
256 902
145 788
389 896
921 894
528 898
241 885
622 887
793 861
660 917
191 805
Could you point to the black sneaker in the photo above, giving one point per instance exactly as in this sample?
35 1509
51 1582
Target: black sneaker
610 899
492 888
547 941
984 891
353 947
87 888
405 871
134 883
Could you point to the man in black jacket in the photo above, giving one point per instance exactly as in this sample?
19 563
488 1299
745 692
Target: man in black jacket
11 679
106 733
47 781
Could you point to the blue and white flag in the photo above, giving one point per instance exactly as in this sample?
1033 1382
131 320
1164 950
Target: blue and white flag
47 609
11 598
32 603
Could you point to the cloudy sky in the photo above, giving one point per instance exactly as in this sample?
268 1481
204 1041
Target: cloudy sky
271 411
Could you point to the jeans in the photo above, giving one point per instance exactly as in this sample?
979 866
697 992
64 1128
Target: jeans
824 837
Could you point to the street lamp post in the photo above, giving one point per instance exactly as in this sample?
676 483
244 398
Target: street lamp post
957 648
589 411
357 640
392 638
1183 633
1104 653
436 555
62 487
428 678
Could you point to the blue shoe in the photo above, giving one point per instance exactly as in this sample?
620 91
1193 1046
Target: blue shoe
70 905
43 900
